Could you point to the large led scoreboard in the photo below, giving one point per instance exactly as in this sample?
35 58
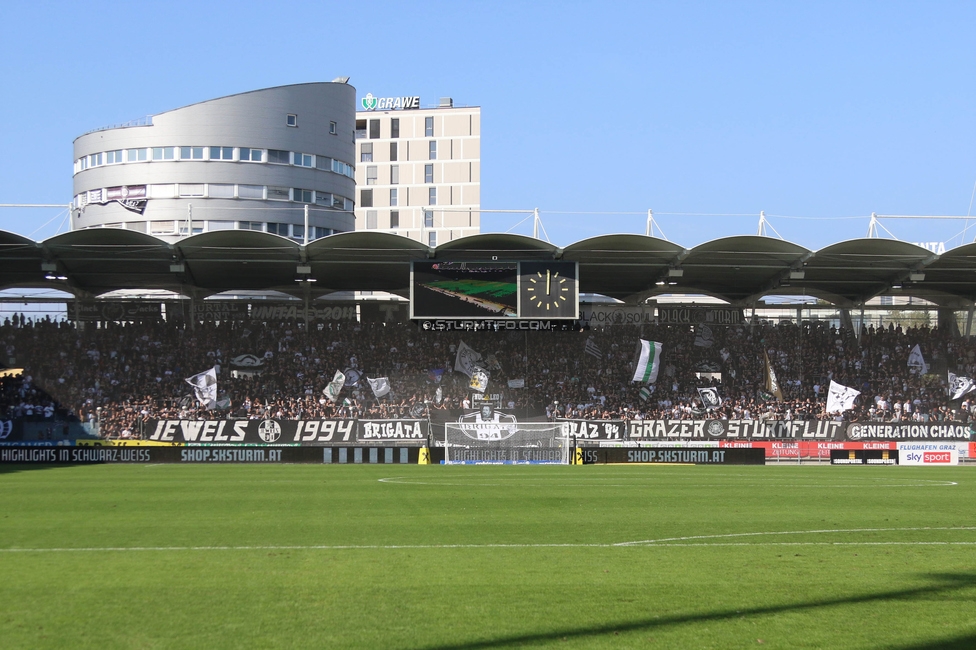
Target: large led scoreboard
494 290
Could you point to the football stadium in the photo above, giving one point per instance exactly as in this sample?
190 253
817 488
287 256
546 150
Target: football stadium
611 444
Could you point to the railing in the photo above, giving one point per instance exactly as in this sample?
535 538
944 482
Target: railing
142 121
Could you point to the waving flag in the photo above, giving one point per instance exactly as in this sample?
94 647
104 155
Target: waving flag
710 397
335 386
840 397
959 386
648 362
205 387
380 386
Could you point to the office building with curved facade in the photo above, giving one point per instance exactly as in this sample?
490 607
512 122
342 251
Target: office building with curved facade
279 160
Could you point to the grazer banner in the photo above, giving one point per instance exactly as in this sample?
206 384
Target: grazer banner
639 430
908 431
105 310
676 455
696 315
583 430
289 432
205 455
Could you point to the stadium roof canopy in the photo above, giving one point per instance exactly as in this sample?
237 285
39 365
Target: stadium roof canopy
740 270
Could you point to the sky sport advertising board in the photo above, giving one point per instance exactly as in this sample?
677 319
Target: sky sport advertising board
931 454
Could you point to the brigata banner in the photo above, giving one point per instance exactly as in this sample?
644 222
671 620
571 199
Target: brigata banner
583 430
908 431
639 430
207 455
289 432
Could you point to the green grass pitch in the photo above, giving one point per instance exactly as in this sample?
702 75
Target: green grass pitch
244 556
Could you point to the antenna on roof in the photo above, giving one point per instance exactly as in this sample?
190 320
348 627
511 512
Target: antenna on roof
763 225
649 231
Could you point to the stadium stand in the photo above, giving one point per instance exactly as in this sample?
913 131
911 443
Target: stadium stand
120 375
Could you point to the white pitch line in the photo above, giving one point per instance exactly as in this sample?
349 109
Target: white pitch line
664 542
648 542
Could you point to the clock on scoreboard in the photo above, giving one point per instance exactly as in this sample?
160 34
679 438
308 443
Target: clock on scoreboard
548 290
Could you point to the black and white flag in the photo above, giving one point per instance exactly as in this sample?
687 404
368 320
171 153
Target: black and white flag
916 361
467 360
840 397
592 349
959 386
710 398
205 387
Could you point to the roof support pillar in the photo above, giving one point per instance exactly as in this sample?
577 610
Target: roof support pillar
969 321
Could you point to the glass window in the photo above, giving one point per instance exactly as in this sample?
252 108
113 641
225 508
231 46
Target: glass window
333 128
393 196
371 175
395 219
304 159
136 155
279 157
251 155
366 152
432 239
394 174
221 153
278 229
164 191
191 189
365 198
360 129
278 193
304 196
374 129
371 219
113 157
432 150
393 151
429 127
298 231
291 120
395 127
161 227
323 162
95 159
164 153
250 225
220 191
191 153
338 202
428 219
428 173
432 196
323 198
250 191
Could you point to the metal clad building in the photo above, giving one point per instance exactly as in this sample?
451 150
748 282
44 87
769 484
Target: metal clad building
251 161
418 170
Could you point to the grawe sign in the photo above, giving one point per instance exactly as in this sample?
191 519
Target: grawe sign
371 103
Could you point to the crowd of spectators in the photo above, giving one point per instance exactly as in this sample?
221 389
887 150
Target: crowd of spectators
121 375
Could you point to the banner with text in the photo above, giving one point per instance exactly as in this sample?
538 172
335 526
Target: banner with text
289 432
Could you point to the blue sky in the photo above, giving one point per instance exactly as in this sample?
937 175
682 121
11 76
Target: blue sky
826 111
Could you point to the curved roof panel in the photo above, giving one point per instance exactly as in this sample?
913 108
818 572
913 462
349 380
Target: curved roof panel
622 266
625 266
737 268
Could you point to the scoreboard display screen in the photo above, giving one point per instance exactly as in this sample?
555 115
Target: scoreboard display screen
459 290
